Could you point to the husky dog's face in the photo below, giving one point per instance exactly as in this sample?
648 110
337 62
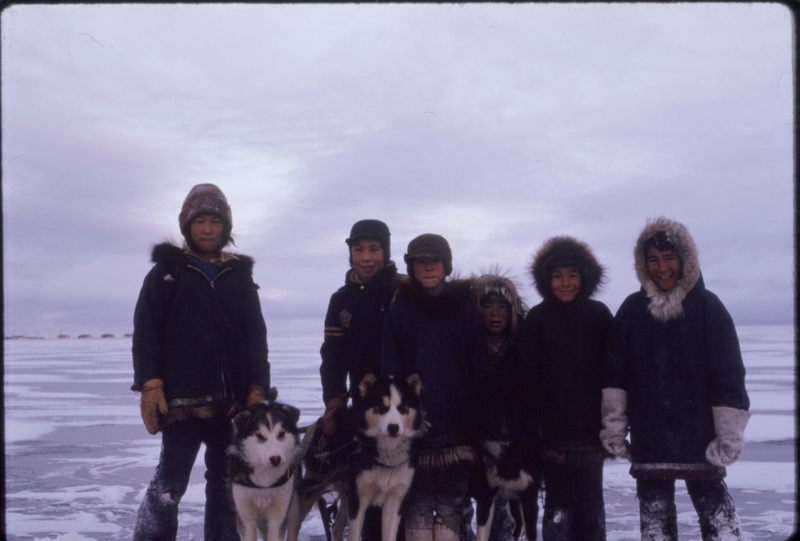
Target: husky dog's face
390 406
266 434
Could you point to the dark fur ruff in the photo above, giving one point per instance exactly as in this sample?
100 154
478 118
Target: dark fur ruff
555 252
170 255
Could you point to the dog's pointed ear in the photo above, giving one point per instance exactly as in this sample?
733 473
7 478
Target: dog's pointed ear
240 421
367 381
414 380
291 412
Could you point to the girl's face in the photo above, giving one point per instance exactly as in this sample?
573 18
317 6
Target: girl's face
206 231
430 274
663 267
496 316
367 256
565 283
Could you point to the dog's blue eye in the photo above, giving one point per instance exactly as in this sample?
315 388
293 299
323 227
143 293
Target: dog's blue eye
402 408
281 435
259 437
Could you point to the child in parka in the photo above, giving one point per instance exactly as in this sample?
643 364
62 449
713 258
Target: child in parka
565 338
502 413
199 354
675 378
354 333
434 328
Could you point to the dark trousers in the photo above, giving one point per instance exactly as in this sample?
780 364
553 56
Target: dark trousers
180 443
716 511
573 504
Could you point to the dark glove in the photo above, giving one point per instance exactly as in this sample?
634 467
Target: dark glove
153 404
333 411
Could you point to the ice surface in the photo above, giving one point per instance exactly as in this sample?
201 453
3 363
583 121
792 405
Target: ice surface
78 460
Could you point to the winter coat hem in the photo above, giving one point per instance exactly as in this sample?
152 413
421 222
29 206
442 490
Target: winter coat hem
671 470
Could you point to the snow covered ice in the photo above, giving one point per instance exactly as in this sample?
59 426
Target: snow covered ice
78 459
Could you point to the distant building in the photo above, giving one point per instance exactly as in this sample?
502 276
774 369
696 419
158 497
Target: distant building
128 335
63 336
107 335
84 336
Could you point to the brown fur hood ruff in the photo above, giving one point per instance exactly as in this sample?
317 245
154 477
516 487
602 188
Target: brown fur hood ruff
666 305
495 282
558 250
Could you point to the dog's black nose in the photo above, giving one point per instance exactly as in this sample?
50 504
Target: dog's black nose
393 429
275 460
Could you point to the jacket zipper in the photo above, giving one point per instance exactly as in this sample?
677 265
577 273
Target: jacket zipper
213 287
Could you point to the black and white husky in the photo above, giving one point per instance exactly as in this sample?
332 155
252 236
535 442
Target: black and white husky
375 465
263 457
388 419
508 467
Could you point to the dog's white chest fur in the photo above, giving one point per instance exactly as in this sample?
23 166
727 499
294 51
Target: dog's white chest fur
379 483
261 498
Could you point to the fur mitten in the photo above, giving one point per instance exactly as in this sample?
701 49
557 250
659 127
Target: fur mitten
729 424
615 421
153 403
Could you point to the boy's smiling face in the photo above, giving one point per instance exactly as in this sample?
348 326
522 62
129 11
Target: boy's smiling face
566 283
367 257
664 267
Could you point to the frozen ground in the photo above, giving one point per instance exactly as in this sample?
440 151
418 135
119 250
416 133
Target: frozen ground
78 459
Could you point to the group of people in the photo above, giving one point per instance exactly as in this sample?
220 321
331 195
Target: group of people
660 384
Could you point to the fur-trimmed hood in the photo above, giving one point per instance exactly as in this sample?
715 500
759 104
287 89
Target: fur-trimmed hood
506 288
666 305
170 255
567 250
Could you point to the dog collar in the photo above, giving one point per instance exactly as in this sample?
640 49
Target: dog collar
244 480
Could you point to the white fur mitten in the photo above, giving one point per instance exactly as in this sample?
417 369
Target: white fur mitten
615 421
729 424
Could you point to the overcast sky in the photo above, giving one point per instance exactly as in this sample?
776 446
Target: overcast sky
497 126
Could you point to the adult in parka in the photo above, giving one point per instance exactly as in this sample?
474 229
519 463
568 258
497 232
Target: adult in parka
675 378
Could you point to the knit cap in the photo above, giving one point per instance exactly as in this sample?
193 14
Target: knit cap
204 199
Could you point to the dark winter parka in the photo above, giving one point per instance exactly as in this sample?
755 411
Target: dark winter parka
676 354
354 330
206 339
439 337
564 345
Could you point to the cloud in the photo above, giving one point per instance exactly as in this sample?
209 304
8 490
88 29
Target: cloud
495 125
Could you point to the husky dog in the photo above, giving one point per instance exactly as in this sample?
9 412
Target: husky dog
263 459
375 465
508 468
388 420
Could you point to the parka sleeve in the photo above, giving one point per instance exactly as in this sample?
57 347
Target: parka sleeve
333 369
255 332
617 349
149 319
528 371
724 357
